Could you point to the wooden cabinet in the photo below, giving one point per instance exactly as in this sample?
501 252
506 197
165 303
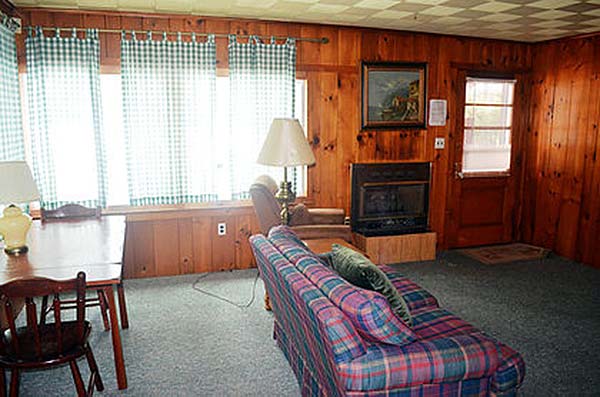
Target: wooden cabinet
174 242
399 248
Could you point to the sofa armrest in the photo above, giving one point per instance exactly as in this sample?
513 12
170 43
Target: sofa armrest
443 360
332 216
311 232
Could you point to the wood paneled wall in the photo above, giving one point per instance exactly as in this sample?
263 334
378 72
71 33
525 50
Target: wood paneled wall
333 73
561 196
186 241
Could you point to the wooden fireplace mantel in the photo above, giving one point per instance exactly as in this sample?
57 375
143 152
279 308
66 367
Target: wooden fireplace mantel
399 248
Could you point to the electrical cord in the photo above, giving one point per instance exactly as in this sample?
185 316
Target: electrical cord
222 298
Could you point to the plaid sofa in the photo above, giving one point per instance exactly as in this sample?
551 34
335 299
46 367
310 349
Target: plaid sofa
330 357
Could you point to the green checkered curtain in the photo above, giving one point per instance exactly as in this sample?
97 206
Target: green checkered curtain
169 105
262 82
11 129
65 119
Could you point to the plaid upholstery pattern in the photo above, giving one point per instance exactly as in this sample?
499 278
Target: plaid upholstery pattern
369 311
11 130
169 97
262 78
289 244
63 87
463 388
510 373
413 294
432 361
439 323
321 333
448 356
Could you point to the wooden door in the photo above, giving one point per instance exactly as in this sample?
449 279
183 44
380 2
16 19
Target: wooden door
482 195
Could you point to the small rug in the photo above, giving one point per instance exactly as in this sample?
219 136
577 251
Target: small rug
495 254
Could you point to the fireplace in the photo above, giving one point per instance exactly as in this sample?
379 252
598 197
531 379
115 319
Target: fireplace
390 198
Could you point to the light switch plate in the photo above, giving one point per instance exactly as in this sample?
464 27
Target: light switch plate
440 143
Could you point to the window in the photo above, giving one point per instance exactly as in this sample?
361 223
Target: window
487 125
112 112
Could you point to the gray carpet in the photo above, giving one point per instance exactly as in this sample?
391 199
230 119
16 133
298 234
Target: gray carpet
185 343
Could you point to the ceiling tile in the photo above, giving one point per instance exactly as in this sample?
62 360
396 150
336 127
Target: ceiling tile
452 21
595 12
495 6
551 4
524 11
428 2
552 14
499 17
391 14
441 11
376 4
326 8
527 20
551 24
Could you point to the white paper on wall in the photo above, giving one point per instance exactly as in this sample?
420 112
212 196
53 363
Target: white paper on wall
438 109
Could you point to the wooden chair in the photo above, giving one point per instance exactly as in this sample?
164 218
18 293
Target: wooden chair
76 212
40 345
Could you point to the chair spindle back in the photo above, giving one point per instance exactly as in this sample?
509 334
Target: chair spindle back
34 287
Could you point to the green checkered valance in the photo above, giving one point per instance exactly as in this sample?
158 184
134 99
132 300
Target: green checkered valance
63 87
11 129
262 82
169 113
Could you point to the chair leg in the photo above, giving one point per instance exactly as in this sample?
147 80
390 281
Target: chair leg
122 306
44 310
14 382
94 368
103 309
77 378
2 383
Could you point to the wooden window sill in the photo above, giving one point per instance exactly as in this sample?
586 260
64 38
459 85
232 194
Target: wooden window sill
491 174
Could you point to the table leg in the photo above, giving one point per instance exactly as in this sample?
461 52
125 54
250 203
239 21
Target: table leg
122 306
116 338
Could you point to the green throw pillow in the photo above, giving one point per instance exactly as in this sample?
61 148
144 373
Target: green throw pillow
360 271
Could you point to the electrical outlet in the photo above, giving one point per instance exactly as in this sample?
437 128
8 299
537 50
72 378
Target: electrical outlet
222 229
440 143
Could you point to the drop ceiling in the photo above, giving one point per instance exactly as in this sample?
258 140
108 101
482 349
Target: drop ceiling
521 20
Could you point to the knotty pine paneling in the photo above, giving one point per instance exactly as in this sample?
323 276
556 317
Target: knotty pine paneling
186 241
561 193
333 73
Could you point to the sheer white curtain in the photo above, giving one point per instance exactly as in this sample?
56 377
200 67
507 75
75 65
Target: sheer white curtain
262 86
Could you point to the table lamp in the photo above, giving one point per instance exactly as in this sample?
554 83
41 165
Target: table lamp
17 187
286 146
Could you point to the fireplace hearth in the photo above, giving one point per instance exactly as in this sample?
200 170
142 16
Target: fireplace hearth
390 198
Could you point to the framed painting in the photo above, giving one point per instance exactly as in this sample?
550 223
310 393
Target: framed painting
393 95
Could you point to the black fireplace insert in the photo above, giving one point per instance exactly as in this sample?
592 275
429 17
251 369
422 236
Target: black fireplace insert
390 198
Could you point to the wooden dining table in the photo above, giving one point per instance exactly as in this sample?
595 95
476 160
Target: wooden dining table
60 249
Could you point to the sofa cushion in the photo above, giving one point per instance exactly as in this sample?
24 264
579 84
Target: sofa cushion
369 311
423 362
440 323
361 272
413 294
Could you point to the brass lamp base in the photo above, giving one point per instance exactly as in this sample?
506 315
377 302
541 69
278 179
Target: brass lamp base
285 196
17 250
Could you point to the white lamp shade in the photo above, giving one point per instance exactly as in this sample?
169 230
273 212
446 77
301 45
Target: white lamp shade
16 183
286 145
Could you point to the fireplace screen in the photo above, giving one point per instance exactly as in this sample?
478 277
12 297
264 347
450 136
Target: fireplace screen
390 198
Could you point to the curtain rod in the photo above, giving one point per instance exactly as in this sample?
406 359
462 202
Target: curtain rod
322 40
